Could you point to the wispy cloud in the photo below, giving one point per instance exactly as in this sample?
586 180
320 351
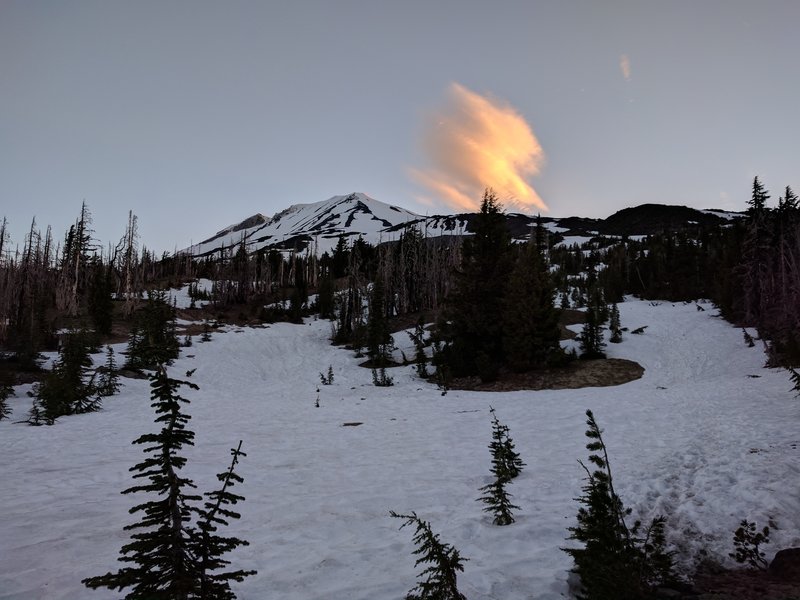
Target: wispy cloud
475 142
625 66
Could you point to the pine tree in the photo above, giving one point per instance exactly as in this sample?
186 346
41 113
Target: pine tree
506 462
613 562
498 502
472 327
614 325
380 343
444 562
381 379
506 465
530 319
326 298
100 303
6 390
758 199
68 389
420 358
161 551
153 339
108 382
795 378
209 546
591 338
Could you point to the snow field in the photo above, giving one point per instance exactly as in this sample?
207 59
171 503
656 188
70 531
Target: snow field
695 438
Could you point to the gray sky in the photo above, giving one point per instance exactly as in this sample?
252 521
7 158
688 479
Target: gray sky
196 114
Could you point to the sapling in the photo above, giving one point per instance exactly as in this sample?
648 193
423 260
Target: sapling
443 560
747 543
613 561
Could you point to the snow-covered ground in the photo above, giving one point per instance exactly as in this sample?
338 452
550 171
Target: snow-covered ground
181 298
707 437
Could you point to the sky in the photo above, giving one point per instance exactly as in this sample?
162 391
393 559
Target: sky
197 114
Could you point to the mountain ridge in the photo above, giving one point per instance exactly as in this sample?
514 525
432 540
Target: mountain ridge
317 226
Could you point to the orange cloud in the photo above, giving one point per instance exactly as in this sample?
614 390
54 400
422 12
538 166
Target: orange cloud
475 142
625 66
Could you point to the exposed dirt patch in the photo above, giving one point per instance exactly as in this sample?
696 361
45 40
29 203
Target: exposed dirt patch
743 584
410 320
578 374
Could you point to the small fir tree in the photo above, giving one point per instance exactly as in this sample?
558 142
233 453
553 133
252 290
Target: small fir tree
68 389
161 551
614 325
506 465
612 561
591 338
36 416
381 379
506 462
108 381
326 298
380 343
327 379
443 560
6 391
498 502
153 339
795 377
209 547
420 358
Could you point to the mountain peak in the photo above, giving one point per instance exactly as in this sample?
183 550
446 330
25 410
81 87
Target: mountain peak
318 224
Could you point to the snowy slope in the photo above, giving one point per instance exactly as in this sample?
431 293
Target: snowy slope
696 438
307 225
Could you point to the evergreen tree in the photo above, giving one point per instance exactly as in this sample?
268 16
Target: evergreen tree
614 325
6 390
612 562
506 462
498 502
530 319
472 328
381 379
444 562
758 199
420 358
592 334
789 202
380 343
108 382
209 546
68 389
326 298
161 552
795 378
100 303
153 339
506 465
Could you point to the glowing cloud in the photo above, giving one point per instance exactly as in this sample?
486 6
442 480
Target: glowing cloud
625 66
476 142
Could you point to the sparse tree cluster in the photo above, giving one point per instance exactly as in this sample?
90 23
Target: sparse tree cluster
501 311
176 551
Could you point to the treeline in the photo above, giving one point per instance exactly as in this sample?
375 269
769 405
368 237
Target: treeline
494 300
749 267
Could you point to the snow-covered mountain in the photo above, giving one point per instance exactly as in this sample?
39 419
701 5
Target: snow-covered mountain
318 225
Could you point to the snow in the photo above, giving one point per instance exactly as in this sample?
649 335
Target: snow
569 240
696 438
324 221
180 296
